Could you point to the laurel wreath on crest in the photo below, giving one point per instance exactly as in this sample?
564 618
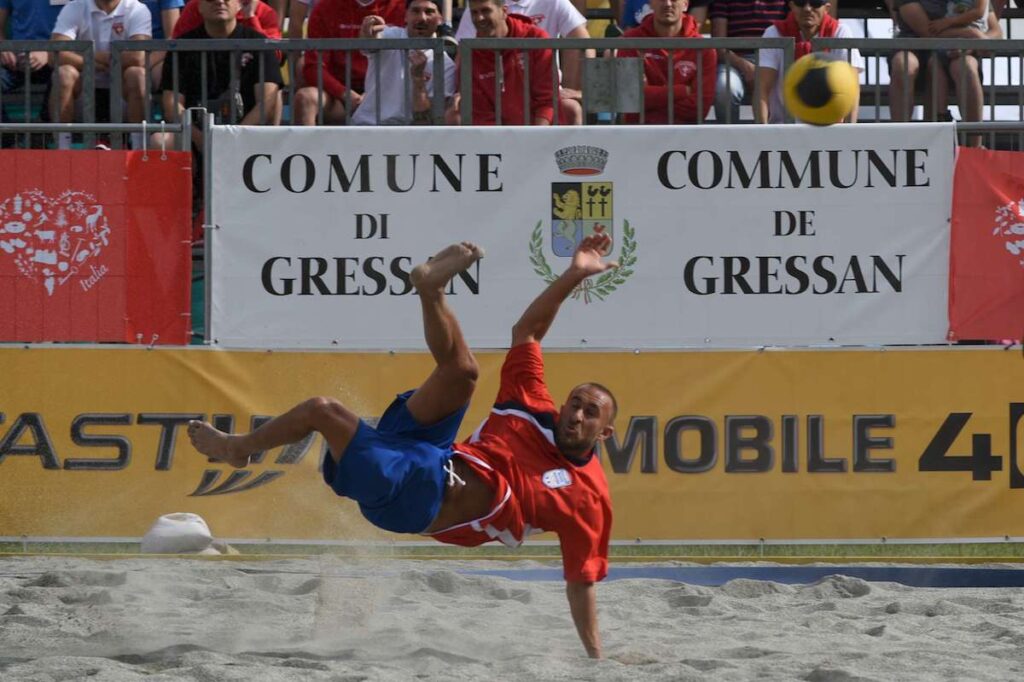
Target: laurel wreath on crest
599 287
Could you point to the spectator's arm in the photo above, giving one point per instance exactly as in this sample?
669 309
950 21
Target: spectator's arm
572 61
74 59
768 78
263 20
8 60
699 14
296 19
332 86
964 32
542 97
684 92
168 19
995 29
420 96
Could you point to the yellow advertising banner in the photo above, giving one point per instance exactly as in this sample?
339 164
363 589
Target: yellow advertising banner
710 445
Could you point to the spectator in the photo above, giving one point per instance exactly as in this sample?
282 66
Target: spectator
637 10
100 21
668 19
559 19
387 67
338 19
945 66
29 20
807 19
164 15
254 100
492 20
254 14
739 19
913 20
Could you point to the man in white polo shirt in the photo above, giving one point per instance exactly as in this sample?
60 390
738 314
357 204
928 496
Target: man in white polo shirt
100 21
387 74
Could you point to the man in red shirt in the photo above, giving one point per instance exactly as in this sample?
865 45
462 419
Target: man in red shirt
491 19
530 467
338 19
668 19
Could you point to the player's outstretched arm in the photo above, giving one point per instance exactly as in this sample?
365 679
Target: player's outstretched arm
583 605
539 315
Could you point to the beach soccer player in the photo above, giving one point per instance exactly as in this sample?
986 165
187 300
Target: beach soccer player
530 467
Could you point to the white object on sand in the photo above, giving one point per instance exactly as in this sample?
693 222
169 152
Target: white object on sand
178 533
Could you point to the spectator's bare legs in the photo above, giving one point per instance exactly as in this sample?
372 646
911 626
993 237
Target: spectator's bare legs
135 88
307 105
902 76
66 88
969 95
451 384
448 387
936 103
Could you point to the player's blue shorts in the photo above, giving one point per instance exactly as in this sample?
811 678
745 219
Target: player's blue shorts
396 470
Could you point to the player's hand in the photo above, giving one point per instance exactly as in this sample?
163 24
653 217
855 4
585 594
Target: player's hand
249 8
8 60
371 26
588 259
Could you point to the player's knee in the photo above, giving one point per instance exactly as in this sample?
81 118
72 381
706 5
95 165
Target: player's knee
324 409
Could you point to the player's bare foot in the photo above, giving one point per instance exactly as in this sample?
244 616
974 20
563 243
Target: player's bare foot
216 444
446 263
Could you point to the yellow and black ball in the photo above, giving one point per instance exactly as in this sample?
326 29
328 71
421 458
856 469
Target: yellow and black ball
820 89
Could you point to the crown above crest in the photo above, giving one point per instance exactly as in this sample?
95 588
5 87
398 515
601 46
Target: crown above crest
581 160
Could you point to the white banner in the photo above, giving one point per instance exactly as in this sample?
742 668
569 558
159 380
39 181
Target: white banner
727 235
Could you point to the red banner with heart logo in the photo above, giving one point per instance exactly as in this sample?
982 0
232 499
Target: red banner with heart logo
95 246
986 262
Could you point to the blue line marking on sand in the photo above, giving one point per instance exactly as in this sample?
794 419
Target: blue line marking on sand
712 576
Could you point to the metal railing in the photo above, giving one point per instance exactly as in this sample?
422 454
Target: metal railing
82 47
292 50
878 94
1005 98
609 46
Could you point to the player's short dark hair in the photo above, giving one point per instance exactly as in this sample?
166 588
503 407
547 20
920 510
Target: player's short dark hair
607 391
436 3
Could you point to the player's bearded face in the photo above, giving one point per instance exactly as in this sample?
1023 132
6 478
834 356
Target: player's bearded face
583 420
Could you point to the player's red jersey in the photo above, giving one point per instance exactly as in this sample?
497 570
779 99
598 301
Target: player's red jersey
537 488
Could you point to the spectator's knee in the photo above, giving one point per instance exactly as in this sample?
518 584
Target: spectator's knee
134 80
306 97
67 75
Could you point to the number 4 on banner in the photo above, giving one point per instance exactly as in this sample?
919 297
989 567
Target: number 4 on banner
981 462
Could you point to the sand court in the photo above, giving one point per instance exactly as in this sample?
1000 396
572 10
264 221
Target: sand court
327 618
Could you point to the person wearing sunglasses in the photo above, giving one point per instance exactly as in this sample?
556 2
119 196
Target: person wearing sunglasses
807 19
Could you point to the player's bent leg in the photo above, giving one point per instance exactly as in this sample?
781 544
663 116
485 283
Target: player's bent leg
330 418
450 386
